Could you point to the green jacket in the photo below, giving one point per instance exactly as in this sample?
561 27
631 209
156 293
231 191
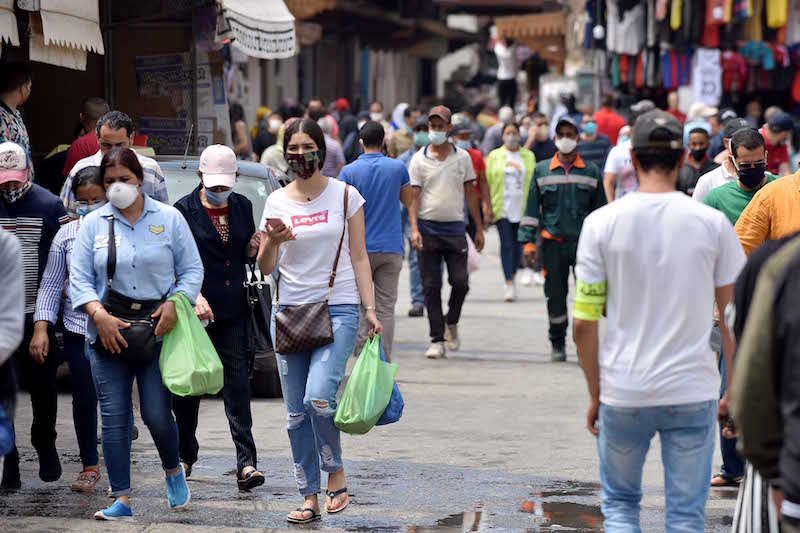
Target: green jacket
560 200
496 175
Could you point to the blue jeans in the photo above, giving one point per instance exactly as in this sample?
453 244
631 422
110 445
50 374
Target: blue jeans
310 381
687 446
113 380
417 295
510 247
84 399
732 464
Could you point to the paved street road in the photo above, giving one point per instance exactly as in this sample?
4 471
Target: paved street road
492 438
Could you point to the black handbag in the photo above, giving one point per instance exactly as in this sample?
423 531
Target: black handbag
141 335
263 371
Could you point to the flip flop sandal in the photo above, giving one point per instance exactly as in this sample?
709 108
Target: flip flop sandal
313 518
251 480
86 481
728 481
332 495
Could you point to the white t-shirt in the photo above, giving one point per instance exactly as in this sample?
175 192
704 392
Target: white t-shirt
513 186
442 184
619 163
506 61
306 263
660 295
710 181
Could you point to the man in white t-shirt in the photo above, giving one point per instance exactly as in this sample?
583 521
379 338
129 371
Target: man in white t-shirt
725 173
619 175
655 371
442 178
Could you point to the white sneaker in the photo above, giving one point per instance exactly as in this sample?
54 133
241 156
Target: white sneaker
538 279
509 293
526 278
436 351
451 339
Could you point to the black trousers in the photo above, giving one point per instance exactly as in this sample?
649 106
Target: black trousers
507 92
453 250
40 381
230 340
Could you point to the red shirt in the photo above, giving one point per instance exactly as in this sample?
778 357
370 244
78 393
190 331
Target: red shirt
677 114
479 166
221 220
776 155
82 147
609 123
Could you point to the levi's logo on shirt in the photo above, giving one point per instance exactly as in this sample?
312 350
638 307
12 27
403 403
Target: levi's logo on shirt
310 220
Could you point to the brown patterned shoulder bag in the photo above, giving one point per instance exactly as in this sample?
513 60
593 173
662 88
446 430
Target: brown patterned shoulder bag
300 328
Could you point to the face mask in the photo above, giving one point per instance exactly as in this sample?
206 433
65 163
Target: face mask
622 139
83 209
361 124
464 145
12 196
590 128
376 117
511 141
122 195
437 137
523 136
542 132
566 145
750 177
698 155
217 198
421 139
303 165
275 124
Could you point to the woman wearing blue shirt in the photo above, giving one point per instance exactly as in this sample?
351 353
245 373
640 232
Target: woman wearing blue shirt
88 189
156 256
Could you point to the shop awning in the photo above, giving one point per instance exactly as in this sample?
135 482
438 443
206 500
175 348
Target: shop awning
72 24
531 26
306 9
263 29
8 23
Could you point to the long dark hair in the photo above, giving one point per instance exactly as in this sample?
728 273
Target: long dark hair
313 130
124 157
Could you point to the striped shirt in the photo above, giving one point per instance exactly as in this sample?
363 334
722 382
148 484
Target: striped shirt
54 281
153 185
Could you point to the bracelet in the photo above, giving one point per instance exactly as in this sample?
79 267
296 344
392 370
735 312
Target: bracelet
370 308
95 312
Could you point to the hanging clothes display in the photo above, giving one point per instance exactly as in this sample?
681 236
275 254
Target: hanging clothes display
707 76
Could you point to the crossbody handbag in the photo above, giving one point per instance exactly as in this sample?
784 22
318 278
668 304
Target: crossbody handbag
299 328
141 335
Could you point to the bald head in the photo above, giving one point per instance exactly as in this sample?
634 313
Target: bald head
94 107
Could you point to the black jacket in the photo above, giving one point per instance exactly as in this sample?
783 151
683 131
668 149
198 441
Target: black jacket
224 265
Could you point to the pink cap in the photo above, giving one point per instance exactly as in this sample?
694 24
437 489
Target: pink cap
14 163
218 166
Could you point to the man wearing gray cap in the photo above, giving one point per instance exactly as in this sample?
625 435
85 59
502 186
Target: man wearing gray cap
654 371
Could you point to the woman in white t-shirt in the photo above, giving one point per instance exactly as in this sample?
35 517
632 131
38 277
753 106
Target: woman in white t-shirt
303 223
508 171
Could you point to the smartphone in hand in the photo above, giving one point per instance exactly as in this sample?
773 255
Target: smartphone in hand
275 223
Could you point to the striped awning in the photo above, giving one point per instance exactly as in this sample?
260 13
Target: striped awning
8 23
306 9
262 29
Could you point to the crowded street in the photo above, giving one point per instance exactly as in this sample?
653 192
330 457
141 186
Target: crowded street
492 439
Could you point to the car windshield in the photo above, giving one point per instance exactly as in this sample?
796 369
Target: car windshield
183 181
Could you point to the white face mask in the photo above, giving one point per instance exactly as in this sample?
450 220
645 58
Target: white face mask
566 145
275 124
122 195
376 117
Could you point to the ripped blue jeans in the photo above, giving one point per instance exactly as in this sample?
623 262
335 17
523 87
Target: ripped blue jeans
310 381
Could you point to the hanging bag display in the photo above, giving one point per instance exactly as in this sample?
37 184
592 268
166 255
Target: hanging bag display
299 328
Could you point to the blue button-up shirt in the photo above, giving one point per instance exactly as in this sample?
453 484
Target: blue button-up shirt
156 256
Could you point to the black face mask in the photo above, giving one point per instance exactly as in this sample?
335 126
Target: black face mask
751 177
303 165
698 155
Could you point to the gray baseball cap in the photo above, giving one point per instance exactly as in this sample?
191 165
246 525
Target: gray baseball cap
653 121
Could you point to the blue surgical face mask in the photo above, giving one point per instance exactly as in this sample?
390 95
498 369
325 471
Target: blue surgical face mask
437 137
421 139
622 139
463 144
590 128
217 198
83 209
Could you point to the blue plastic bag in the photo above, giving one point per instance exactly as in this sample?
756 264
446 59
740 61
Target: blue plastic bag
394 410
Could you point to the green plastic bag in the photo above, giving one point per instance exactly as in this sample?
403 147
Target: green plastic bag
367 392
189 362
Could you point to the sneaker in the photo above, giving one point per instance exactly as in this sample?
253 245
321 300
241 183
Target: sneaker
49 465
509 293
436 351
416 310
538 279
559 354
526 278
178 493
451 340
118 512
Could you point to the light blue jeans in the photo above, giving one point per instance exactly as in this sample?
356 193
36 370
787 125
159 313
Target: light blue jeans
687 445
310 381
